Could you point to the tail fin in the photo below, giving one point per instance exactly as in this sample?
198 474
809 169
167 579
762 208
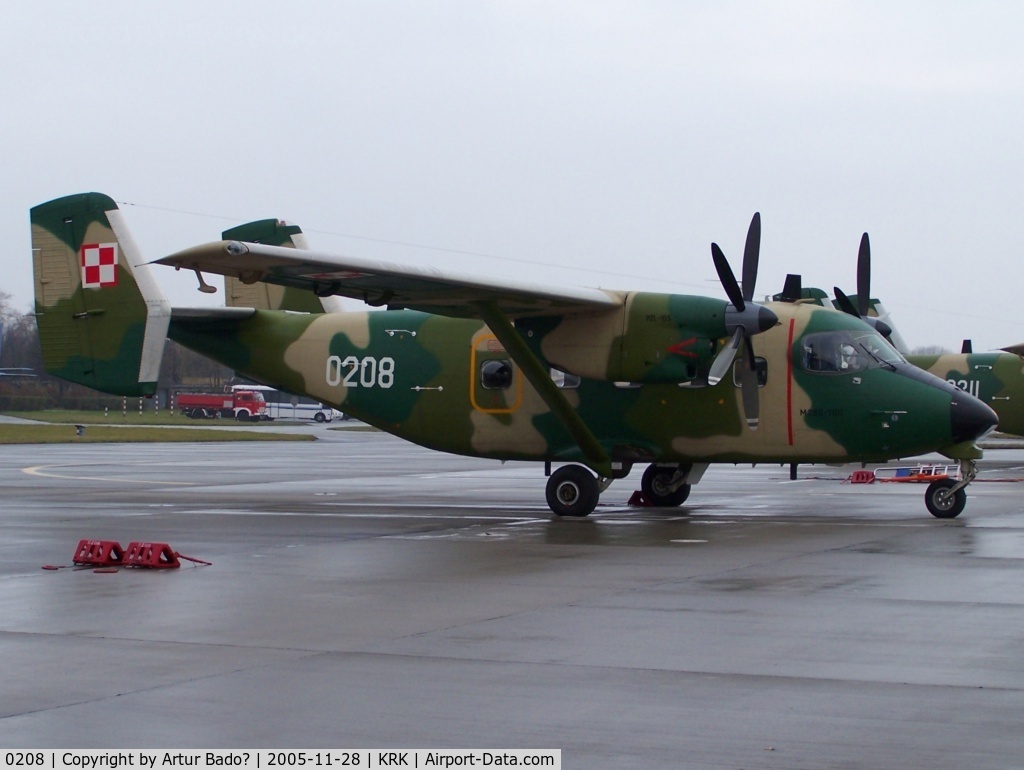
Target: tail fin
102 319
268 296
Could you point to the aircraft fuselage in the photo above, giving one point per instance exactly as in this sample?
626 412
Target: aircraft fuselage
449 384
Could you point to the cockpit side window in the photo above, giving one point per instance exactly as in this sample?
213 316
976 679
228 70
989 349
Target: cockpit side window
821 352
844 352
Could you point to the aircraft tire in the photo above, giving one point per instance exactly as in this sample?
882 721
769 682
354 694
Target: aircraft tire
572 491
653 485
940 503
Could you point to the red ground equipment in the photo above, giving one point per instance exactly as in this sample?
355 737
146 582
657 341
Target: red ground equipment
152 555
98 553
244 405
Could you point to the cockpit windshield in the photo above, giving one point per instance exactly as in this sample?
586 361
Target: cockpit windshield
843 352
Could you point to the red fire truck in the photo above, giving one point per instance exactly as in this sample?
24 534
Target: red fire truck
242 405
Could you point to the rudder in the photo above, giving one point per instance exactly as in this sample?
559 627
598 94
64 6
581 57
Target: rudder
102 319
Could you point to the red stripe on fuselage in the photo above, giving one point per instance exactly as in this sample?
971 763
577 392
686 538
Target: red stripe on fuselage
789 380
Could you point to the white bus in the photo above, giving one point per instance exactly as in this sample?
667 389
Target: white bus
288 406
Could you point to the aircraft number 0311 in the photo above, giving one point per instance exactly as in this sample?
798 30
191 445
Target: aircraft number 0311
365 372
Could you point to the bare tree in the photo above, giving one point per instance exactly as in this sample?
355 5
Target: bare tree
36 390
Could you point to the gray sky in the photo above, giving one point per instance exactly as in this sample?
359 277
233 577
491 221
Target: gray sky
587 143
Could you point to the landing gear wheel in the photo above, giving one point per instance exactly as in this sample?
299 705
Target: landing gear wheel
572 491
654 485
941 503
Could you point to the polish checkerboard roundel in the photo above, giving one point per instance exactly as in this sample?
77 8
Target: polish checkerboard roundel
99 265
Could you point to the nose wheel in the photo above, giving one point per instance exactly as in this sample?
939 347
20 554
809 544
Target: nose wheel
946 498
664 485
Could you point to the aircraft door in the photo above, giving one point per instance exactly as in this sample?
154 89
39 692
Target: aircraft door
496 385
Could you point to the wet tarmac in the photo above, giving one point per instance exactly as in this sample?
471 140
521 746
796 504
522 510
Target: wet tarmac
366 593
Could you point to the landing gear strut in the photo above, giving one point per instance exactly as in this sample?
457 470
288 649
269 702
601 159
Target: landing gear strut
946 498
664 485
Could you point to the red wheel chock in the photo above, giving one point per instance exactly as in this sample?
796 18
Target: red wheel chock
639 500
107 553
862 477
151 555
98 553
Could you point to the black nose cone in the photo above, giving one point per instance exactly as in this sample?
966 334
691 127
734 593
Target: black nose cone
970 418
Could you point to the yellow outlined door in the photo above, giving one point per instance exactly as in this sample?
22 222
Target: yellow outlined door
496 384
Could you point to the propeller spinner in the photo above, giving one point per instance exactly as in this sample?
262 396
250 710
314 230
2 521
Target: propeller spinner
743 319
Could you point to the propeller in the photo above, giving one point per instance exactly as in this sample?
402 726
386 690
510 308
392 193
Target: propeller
864 276
860 310
743 319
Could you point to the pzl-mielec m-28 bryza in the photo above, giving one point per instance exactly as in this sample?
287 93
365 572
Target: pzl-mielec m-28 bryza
595 381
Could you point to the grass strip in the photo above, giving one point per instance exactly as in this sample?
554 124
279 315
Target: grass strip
105 434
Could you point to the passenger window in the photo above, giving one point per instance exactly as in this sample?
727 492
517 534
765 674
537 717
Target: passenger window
760 366
496 374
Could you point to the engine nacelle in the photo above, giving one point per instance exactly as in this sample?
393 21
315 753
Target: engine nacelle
653 338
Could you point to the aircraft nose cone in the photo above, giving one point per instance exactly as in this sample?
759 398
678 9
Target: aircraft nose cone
970 418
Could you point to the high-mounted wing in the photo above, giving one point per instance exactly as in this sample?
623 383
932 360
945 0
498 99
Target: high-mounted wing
386 283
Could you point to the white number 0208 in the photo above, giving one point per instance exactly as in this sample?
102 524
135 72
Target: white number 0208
366 372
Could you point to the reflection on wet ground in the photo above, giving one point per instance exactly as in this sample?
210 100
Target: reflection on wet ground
368 592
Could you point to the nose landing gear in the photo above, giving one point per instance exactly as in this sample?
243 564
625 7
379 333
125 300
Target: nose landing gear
946 498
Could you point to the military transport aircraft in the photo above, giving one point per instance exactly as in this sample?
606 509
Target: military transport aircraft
600 380
996 378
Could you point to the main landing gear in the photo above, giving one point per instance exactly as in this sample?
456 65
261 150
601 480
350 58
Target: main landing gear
573 490
946 498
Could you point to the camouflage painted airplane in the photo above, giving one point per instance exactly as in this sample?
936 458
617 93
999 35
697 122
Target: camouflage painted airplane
996 378
600 380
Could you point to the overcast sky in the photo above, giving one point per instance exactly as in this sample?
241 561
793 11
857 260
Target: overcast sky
584 143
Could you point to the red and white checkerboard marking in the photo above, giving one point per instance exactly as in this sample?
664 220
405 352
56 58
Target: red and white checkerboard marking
99 265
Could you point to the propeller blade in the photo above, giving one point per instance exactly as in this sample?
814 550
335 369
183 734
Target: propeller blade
845 303
725 275
748 387
864 276
720 366
751 251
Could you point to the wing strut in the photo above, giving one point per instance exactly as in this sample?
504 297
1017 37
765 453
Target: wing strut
538 376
